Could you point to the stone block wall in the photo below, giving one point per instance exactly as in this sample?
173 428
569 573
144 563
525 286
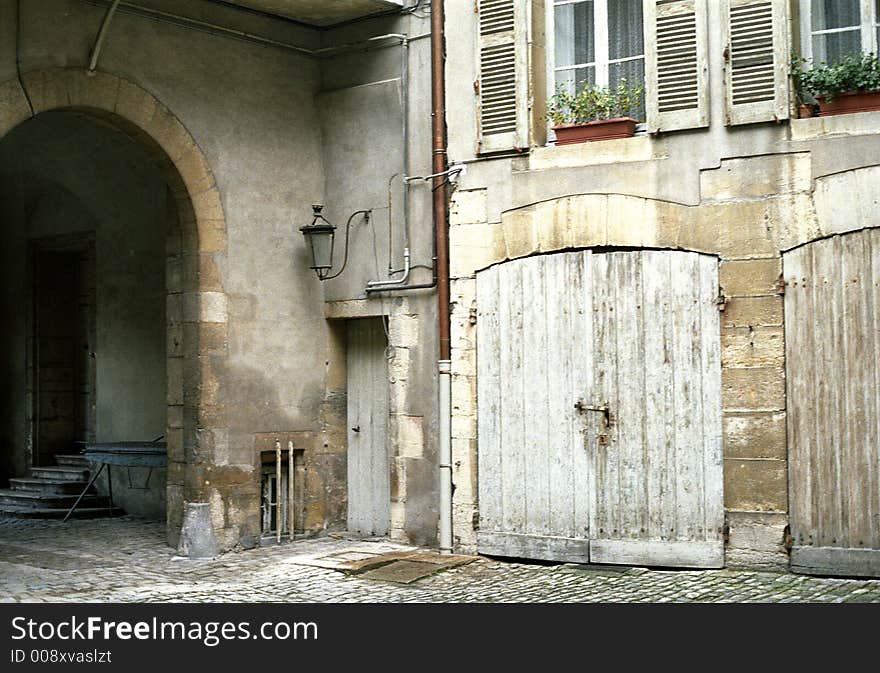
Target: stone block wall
750 210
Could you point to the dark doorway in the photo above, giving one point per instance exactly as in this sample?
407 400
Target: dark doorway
63 346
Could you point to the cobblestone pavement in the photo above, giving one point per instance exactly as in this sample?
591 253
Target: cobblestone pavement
127 560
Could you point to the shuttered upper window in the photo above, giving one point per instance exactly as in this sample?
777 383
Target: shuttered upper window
756 60
677 81
598 42
833 29
502 81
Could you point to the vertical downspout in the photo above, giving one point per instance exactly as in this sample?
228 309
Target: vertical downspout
102 34
441 229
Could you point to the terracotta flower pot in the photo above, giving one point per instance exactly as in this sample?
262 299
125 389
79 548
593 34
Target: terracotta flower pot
602 129
854 101
805 111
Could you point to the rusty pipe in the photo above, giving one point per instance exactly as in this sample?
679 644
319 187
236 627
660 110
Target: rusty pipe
102 35
438 165
441 235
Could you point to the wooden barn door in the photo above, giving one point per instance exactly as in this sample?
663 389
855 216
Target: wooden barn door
369 481
599 409
832 338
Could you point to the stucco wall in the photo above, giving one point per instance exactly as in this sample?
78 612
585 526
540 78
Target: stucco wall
241 123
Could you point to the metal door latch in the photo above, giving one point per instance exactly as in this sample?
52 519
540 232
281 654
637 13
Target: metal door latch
605 410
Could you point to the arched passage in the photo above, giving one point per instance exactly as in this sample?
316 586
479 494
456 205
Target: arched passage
184 252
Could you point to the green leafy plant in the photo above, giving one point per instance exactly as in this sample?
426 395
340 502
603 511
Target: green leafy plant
592 103
852 73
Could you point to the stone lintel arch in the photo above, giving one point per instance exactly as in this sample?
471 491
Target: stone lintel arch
196 314
733 229
595 221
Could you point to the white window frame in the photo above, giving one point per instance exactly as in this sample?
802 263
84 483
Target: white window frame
869 20
600 26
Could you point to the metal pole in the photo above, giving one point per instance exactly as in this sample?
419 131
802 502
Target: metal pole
277 491
84 491
110 487
290 526
445 457
102 34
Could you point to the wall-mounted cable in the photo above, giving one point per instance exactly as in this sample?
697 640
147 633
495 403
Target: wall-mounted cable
18 57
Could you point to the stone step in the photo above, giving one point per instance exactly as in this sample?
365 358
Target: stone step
18 512
48 486
66 473
72 460
30 499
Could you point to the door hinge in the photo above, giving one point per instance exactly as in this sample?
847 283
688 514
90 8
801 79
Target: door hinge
721 300
780 285
472 315
787 539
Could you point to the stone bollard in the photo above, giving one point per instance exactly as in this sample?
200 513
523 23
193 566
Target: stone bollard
197 539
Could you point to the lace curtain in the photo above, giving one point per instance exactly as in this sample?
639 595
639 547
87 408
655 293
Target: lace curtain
580 60
830 47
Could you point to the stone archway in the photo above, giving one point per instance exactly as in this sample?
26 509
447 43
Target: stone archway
195 257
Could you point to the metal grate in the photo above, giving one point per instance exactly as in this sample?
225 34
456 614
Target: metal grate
281 488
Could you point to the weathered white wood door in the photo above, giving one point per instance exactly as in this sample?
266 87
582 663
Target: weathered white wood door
600 410
369 484
832 338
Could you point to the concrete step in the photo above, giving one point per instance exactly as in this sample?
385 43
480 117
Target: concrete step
30 499
48 486
66 473
72 460
18 512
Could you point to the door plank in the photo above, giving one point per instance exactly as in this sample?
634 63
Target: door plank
544 547
537 441
559 371
663 553
836 561
369 479
489 399
512 393
712 475
832 356
579 357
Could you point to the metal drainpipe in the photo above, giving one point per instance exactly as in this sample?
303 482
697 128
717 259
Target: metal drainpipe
99 40
441 227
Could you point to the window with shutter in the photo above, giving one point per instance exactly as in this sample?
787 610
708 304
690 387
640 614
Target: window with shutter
598 42
756 60
677 81
502 86
834 29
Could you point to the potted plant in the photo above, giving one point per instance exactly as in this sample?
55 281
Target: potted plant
806 104
852 85
593 113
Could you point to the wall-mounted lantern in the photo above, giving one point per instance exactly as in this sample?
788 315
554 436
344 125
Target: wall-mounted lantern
320 238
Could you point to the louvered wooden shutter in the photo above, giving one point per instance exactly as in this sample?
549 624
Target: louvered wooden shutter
677 70
756 60
502 86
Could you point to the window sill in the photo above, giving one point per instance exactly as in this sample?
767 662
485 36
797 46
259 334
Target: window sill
853 124
641 147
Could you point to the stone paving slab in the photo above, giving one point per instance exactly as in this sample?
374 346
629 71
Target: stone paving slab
127 560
